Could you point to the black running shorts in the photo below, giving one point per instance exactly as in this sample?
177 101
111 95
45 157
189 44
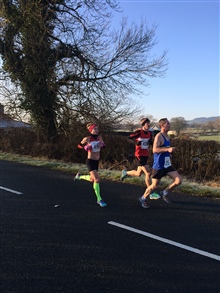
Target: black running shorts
142 160
158 174
92 165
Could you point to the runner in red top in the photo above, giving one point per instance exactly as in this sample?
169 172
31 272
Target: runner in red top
142 138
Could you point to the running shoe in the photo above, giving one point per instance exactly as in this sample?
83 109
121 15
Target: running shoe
123 174
102 203
77 177
143 203
165 197
154 195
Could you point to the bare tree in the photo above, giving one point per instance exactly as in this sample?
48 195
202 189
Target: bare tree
63 56
178 124
217 124
210 126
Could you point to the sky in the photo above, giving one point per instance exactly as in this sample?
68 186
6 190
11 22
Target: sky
189 30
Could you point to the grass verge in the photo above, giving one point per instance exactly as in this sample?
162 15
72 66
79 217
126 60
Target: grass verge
186 187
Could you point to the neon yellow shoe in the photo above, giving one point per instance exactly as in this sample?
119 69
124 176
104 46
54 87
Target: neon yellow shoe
154 195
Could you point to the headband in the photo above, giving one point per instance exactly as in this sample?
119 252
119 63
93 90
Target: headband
92 127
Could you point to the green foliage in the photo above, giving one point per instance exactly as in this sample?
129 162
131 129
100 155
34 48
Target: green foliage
27 57
63 58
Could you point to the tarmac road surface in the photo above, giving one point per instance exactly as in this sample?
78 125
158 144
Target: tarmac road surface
55 238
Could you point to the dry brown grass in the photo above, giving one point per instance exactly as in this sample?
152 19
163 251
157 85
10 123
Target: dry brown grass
214 183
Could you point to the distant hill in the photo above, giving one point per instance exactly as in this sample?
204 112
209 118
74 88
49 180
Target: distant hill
202 120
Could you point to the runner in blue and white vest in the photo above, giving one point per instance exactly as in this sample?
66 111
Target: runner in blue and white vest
162 164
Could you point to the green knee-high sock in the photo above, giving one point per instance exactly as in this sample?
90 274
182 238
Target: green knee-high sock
97 190
85 177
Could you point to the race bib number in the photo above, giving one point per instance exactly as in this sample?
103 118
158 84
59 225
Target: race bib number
144 143
167 162
95 147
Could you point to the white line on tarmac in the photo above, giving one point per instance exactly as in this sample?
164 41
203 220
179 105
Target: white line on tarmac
10 190
195 250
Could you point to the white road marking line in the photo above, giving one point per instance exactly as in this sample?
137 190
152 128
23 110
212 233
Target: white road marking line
10 190
195 250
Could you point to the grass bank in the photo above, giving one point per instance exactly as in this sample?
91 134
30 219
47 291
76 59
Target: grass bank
210 189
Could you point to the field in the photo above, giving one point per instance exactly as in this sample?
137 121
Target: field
210 137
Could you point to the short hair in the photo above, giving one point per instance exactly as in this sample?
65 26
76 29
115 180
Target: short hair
144 120
162 121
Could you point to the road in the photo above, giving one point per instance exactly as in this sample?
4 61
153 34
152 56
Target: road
55 238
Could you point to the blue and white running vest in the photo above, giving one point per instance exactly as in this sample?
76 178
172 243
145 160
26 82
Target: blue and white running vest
162 160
